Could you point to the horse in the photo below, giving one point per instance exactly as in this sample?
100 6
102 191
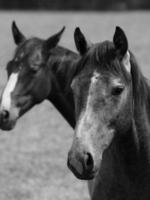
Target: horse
111 143
40 69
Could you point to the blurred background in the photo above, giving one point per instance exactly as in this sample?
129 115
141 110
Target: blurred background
33 156
75 4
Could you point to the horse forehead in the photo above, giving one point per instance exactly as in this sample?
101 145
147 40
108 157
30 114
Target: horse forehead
98 77
100 83
29 47
90 78
31 54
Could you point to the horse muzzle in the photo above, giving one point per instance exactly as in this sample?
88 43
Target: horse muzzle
82 165
8 119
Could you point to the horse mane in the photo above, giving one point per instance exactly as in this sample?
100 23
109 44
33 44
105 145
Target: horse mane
141 87
62 62
60 58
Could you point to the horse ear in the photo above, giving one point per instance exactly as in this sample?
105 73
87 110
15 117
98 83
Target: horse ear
120 41
17 35
52 41
80 41
121 45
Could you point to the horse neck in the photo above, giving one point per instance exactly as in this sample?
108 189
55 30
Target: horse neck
141 104
61 65
134 146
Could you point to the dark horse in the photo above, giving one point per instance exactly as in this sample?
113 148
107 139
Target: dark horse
111 145
39 70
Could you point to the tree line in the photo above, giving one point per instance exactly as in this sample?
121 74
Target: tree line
75 4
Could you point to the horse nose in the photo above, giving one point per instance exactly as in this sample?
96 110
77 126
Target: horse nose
81 164
88 162
4 115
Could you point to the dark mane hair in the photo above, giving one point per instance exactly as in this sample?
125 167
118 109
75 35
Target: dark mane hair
63 63
141 88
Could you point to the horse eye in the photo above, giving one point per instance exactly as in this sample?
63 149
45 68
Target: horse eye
117 90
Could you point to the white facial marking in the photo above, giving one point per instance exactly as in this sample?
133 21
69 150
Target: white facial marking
126 62
6 97
87 114
95 77
116 82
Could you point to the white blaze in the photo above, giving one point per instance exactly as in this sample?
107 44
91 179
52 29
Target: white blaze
6 97
88 113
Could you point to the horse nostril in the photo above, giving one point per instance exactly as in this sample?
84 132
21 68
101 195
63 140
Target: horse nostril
5 114
88 161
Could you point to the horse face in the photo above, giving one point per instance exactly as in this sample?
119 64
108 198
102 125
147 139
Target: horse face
29 78
102 93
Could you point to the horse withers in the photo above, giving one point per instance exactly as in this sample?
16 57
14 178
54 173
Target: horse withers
39 70
111 145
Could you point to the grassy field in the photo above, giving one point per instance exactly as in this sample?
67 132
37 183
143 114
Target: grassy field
33 156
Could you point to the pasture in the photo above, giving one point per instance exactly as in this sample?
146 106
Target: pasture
33 156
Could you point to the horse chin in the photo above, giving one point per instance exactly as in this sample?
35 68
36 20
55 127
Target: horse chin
86 175
8 126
